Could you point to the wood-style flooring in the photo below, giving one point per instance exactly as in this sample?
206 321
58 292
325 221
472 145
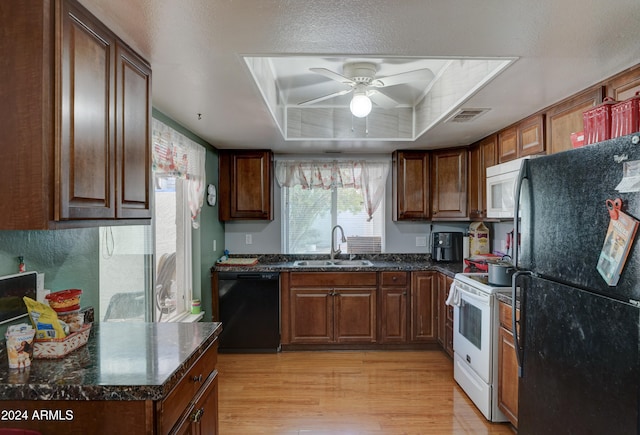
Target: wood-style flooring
345 392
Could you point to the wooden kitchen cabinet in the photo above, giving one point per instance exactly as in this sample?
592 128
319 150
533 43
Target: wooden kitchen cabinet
411 180
202 418
624 85
449 184
445 314
523 139
482 155
193 402
332 307
76 107
423 306
566 117
507 366
394 288
245 185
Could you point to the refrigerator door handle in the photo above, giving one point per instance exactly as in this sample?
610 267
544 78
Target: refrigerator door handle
516 322
522 175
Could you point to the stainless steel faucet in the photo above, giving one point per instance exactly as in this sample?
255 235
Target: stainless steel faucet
335 251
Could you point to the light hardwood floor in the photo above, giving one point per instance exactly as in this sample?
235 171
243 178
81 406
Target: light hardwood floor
345 392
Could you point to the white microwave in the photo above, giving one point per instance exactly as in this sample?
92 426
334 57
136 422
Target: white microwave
501 181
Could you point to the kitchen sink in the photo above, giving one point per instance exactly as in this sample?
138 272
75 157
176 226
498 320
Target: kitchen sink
332 263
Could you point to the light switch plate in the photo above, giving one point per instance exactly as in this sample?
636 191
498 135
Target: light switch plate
421 241
248 239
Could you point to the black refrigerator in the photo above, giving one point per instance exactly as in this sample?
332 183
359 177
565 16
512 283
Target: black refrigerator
578 341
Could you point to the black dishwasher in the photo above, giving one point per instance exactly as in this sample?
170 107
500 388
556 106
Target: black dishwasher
249 304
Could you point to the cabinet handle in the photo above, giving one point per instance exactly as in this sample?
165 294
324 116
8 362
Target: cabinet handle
404 293
394 278
197 415
197 378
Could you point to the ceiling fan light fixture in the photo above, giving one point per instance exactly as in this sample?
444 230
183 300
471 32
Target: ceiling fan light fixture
360 105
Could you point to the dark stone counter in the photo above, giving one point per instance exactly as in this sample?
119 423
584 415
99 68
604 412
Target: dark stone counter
381 262
121 361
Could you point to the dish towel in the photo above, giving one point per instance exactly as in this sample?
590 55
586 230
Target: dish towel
454 296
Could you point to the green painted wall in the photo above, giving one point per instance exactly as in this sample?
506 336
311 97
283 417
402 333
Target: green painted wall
68 258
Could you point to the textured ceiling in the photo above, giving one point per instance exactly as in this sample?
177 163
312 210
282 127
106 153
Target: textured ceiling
197 47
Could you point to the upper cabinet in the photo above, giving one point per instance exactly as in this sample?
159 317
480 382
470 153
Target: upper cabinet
449 184
523 139
481 155
76 114
624 85
245 185
566 117
410 178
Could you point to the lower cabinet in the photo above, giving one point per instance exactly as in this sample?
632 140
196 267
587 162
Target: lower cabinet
192 405
203 415
507 367
394 291
328 307
445 314
423 306
387 308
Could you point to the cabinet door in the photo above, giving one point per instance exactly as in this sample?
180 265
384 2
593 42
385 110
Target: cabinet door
624 85
423 305
86 165
393 313
507 376
449 184
507 144
531 136
411 199
566 118
311 316
441 312
133 126
246 185
355 315
202 417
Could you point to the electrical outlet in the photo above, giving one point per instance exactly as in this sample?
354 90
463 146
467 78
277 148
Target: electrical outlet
421 241
248 239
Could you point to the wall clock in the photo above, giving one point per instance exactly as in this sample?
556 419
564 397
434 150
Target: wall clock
211 194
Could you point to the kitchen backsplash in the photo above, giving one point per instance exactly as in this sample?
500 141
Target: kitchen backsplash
68 258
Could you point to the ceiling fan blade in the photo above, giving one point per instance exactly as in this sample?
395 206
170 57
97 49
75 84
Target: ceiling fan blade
382 100
325 97
333 75
405 77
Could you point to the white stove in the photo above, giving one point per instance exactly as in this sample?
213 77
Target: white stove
475 341
480 281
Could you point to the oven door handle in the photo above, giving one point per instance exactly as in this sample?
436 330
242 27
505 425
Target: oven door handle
483 299
516 322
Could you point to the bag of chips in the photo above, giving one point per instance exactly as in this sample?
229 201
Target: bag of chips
44 320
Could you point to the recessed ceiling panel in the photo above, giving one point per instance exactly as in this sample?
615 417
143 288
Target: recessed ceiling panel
309 96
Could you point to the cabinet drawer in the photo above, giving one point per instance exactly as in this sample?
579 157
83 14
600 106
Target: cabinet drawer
183 393
393 278
323 279
505 316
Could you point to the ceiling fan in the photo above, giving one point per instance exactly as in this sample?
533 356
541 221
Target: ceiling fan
362 81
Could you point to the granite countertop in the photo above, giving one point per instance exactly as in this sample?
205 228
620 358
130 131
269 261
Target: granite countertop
121 361
381 262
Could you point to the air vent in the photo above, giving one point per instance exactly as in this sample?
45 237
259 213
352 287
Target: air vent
466 115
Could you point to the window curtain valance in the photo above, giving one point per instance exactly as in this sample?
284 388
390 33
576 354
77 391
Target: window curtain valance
175 155
369 177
